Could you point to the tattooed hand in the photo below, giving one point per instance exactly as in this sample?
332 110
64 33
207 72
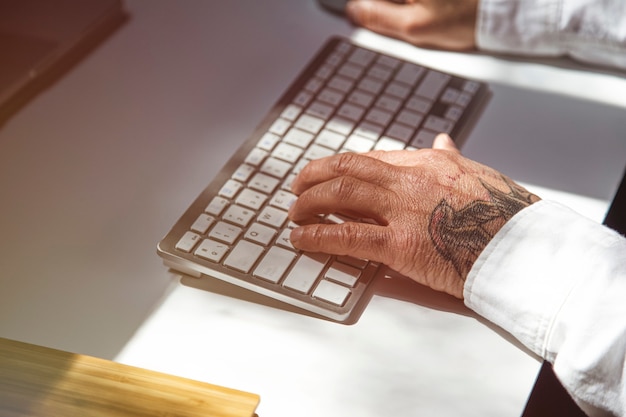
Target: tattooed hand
427 214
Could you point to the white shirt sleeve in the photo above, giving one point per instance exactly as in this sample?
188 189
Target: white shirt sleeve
592 31
557 282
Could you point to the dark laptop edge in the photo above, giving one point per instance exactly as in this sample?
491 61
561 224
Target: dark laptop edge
100 31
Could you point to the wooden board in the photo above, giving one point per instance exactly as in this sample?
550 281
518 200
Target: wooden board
38 381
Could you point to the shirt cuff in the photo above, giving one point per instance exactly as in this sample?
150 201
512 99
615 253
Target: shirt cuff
525 276
524 27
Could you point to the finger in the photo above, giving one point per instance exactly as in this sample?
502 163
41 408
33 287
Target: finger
346 164
444 142
360 240
384 17
343 195
402 158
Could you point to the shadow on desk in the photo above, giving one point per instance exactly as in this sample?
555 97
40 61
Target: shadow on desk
387 284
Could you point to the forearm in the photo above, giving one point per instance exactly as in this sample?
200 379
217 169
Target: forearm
592 31
557 282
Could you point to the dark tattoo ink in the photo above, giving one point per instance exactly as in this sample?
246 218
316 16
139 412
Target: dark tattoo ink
461 235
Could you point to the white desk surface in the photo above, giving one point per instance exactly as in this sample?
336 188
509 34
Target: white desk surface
95 170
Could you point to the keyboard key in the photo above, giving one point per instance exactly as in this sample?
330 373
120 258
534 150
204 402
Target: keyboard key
243 173
341 83
260 234
438 124
355 262
211 250
256 156
454 113
251 199
272 216
400 132
286 185
302 99
274 264
275 167
202 223
340 125
409 73
330 96
324 72
463 100
280 126
389 103
343 273
381 72
216 206
371 85
330 139
351 71
305 272
283 239
188 241
450 95
389 144
419 104
298 137
225 232
432 84
361 98
379 116
238 215
313 85
243 256
331 292
321 110
310 123
263 183
291 112
388 61
471 86
369 130
362 57
399 90
283 199
317 152
351 111
423 139
356 143
230 188
287 152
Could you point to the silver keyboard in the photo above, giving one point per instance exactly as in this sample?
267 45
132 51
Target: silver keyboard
347 99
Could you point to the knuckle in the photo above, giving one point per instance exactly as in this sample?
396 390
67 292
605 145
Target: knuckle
344 188
345 163
351 238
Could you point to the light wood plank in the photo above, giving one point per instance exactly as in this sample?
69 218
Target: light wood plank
37 381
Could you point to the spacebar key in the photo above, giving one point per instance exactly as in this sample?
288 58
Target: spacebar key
305 272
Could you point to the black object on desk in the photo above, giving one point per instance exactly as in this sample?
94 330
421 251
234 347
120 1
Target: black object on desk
40 40
549 397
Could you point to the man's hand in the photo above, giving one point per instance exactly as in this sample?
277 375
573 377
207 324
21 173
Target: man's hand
446 24
429 213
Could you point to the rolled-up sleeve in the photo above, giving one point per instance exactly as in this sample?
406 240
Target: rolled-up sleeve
592 31
557 282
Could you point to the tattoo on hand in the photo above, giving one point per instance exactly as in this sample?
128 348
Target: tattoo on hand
461 235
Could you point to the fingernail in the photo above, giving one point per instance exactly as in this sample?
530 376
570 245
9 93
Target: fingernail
295 235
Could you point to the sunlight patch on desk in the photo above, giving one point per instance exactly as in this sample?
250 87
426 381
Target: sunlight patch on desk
553 75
